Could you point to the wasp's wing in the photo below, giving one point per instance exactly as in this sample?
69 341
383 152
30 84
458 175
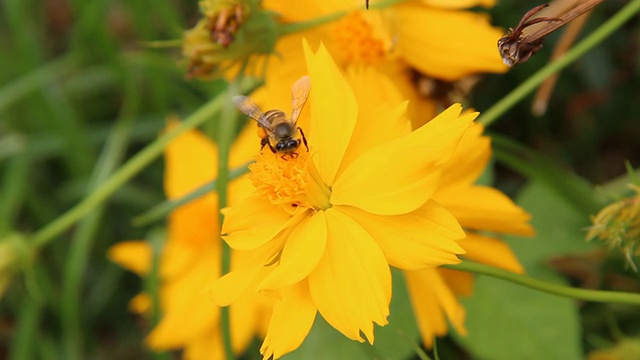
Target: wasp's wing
247 106
300 93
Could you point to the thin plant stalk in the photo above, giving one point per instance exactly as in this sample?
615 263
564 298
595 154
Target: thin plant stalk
604 31
554 289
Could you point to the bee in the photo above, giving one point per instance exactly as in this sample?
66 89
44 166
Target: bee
275 129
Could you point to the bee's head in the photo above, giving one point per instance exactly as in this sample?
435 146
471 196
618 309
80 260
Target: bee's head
287 146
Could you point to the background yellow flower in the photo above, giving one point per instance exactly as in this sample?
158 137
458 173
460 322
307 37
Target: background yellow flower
191 257
404 41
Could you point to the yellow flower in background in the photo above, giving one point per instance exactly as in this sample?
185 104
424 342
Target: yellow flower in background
191 257
405 41
434 292
618 226
320 230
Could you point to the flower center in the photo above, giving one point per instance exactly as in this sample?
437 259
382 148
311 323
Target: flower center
361 38
290 182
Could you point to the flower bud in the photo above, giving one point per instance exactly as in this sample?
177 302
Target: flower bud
11 252
618 226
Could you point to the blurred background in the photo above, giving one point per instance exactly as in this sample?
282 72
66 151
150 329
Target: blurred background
74 73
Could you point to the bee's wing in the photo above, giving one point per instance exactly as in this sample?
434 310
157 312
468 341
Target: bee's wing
300 93
247 106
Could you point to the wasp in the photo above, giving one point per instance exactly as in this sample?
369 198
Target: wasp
276 129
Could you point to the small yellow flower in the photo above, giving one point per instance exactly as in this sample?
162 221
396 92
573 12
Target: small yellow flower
191 255
320 230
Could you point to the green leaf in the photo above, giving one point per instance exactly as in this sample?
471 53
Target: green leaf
574 189
506 321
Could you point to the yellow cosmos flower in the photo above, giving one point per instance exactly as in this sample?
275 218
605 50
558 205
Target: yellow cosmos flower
434 38
320 230
434 292
190 259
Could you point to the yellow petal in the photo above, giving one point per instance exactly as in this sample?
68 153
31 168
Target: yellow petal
447 44
292 11
432 300
458 4
285 67
226 289
421 109
248 315
460 282
492 252
178 258
351 286
301 253
426 237
141 303
180 300
333 112
401 175
290 323
380 184
195 224
245 146
469 159
132 255
190 160
205 346
252 222
485 208
381 112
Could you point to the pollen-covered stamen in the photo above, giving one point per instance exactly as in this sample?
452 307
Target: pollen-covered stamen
361 38
290 182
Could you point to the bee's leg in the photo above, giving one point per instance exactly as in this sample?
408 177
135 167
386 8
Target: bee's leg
264 142
304 139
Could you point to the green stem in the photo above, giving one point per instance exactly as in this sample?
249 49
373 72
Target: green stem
153 284
26 328
566 291
13 189
126 172
226 132
84 236
163 209
605 30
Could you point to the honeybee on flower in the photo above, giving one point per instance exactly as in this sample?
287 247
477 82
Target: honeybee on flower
276 130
